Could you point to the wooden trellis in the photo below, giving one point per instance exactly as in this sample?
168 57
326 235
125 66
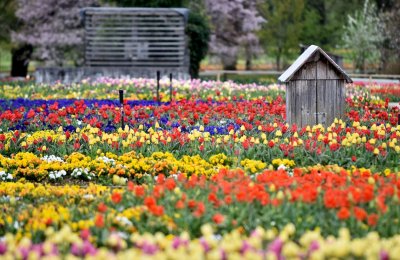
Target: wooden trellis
137 38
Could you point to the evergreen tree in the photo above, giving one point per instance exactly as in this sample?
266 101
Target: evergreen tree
281 33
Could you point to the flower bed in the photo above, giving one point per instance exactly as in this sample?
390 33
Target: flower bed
382 90
141 89
216 173
290 213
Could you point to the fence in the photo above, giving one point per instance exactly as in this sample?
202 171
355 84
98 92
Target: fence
224 75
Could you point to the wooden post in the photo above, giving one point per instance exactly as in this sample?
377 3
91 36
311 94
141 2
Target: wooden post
170 86
158 87
121 101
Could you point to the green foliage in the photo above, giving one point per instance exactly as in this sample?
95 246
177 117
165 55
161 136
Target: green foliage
198 31
8 20
282 31
363 35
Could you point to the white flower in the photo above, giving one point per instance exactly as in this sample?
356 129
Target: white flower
16 225
52 158
106 160
282 167
88 196
124 221
5 176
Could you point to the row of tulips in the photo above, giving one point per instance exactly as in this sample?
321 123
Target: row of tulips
375 146
382 90
318 198
145 89
141 89
261 244
33 115
129 165
188 114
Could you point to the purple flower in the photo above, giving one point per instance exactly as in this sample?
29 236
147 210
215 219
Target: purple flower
24 252
205 245
176 242
88 248
38 248
383 255
3 248
276 247
149 249
245 246
76 250
223 255
314 246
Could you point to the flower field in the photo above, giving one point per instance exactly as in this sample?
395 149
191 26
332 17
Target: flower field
215 173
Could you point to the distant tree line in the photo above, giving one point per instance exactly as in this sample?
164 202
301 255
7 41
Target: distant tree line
227 29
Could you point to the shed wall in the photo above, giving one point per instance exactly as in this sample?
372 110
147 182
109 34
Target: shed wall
311 102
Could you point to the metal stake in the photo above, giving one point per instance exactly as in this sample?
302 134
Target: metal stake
170 86
121 101
158 87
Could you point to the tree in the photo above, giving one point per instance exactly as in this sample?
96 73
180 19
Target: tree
363 35
393 28
280 35
198 32
390 50
234 25
53 28
8 20
20 53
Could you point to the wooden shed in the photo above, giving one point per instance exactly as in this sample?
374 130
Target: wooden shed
315 92
136 38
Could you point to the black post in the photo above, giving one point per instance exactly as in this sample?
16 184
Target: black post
121 101
158 87
170 86
398 119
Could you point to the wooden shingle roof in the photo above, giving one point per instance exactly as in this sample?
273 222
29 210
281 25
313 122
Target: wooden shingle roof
303 58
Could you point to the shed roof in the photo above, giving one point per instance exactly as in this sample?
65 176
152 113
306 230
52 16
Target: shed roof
303 58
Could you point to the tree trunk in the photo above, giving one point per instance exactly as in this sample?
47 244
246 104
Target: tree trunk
20 61
248 63
278 61
278 58
229 62
248 58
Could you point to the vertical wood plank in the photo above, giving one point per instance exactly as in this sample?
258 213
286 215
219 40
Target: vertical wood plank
289 101
332 73
341 98
322 68
313 101
295 109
